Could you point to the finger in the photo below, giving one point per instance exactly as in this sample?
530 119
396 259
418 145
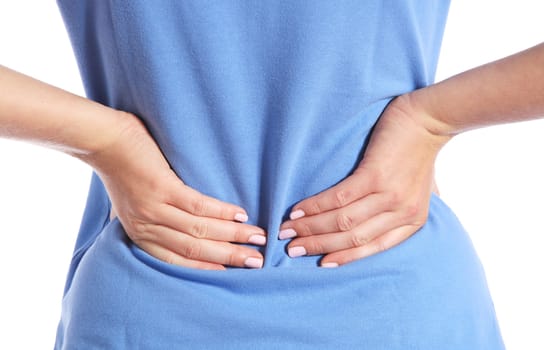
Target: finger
223 253
332 242
170 257
379 244
196 203
337 220
347 191
210 228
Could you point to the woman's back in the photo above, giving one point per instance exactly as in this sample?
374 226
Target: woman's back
263 104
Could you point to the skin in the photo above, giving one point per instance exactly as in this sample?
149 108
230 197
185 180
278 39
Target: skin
160 214
385 200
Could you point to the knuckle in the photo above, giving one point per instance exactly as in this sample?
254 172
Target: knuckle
314 246
232 259
155 185
373 179
394 199
170 258
138 227
415 213
192 251
140 212
139 230
143 212
346 258
379 246
314 207
198 205
341 197
356 240
164 180
412 211
199 229
303 229
225 212
344 222
143 236
240 235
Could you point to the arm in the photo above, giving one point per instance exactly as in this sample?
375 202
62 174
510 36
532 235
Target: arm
36 112
386 199
507 90
158 212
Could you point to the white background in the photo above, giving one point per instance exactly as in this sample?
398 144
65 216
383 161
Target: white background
492 178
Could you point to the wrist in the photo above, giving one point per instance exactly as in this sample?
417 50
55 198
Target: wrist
420 106
107 146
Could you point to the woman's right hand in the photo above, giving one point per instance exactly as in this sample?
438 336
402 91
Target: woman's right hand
162 215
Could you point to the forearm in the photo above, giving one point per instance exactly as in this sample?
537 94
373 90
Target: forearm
507 90
34 111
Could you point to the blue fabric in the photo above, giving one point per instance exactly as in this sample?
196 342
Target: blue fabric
263 104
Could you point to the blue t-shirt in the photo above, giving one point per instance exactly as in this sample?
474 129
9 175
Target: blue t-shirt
263 104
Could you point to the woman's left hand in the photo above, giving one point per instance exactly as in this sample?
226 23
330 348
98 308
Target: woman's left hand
384 201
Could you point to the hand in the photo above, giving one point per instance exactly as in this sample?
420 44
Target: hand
163 216
384 201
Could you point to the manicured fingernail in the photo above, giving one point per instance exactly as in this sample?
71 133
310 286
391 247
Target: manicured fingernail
329 264
241 217
296 252
255 263
287 233
257 239
297 214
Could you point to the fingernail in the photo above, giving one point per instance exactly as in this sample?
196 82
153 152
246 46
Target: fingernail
296 252
287 233
255 263
297 214
257 239
329 264
241 217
